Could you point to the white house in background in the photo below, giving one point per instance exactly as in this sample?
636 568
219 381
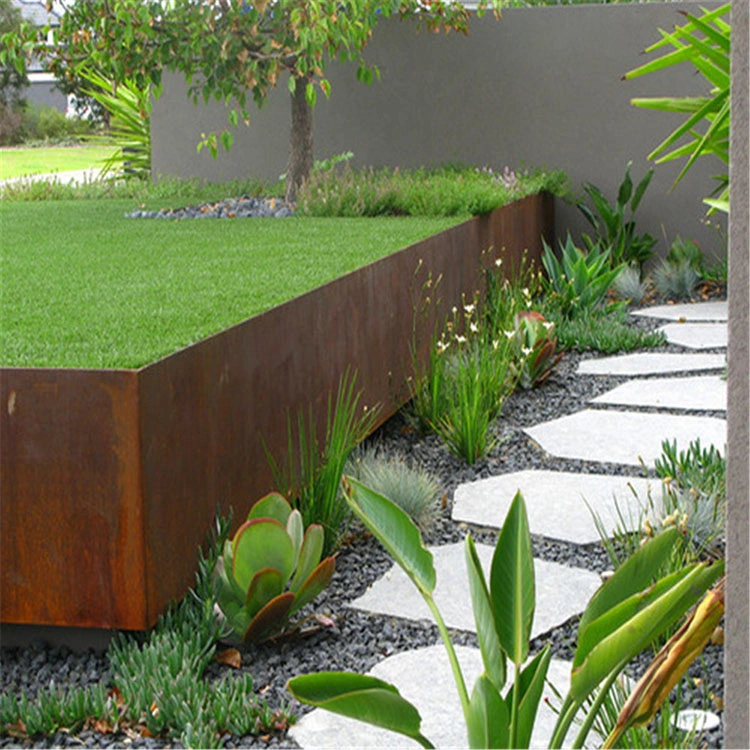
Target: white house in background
41 88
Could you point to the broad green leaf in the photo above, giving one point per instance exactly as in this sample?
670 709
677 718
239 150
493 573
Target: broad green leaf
316 582
614 651
267 584
296 531
309 555
626 187
270 619
531 681
488 721
360 697
631 577
512 583
489 641
395 530
261 543
272 505
640 190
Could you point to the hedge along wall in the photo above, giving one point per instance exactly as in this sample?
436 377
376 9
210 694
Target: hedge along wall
541 86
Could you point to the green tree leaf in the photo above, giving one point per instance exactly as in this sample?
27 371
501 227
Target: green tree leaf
360 697
512 583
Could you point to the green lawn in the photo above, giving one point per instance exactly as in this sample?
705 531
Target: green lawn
82 286
20 162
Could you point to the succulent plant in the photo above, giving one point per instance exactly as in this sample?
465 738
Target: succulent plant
270 569
536 346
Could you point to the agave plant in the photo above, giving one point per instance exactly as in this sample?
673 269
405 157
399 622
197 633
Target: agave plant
579 281
270 570
536 347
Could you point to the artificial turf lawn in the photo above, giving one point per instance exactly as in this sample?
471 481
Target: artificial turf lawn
82 286
18 162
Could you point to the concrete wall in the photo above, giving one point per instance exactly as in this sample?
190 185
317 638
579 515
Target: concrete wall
541 87
737 657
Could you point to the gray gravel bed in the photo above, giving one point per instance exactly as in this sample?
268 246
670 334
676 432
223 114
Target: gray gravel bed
358 640
232 208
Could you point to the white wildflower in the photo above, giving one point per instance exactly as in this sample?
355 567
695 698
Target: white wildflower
460 339
473 327
469 309
509 334
526 351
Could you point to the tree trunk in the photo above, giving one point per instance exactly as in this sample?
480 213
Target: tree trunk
300 142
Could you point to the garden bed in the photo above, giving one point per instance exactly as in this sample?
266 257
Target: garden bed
111 478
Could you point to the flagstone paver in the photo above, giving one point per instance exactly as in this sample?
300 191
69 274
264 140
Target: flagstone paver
423 676
707 393
561 592
651 363
713 310
623 437
696 335
559 504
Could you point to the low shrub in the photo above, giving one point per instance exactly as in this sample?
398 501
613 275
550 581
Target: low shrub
413 489
442 191
163 189
603 331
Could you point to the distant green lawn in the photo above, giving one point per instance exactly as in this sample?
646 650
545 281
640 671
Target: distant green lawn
20 162
81 286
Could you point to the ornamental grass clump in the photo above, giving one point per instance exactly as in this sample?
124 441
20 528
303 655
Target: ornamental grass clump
465 384
269 570
412 488
310 474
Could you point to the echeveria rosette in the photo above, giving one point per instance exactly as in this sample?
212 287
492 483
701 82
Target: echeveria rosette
270 569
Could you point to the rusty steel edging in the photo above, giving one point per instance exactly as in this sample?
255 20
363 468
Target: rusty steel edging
132 465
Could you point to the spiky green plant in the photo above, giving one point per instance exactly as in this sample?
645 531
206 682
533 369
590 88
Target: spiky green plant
578 282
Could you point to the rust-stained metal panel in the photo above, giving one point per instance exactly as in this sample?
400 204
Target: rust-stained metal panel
71 541
128 468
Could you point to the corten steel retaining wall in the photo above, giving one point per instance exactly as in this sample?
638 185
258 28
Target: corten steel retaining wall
110 479
541 86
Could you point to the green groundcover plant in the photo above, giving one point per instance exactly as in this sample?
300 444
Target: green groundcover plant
627 613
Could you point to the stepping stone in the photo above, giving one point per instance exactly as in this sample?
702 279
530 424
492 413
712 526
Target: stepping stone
706 393
651 363
562 592
624 437
714 310
436 699
696 335
559 504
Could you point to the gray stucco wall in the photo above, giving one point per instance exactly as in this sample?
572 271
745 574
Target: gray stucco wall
737 656
539 87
